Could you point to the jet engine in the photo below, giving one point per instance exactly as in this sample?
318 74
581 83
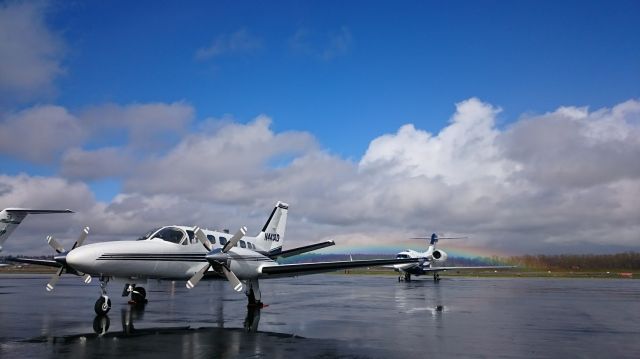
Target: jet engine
439 255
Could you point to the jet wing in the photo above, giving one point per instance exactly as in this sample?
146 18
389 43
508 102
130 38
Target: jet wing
299 250
442 269
37 211
290 270
40 262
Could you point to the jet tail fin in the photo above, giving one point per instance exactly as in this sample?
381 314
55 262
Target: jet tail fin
271 238
10 219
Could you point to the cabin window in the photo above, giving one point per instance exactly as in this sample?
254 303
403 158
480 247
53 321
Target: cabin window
223 240
249 245
148 234
402 256
170 234
211 238
192 237
243 244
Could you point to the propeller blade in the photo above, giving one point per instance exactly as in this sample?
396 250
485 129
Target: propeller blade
235 282
54 244
193 281
54 280
234 240
203 238
87 278
83 236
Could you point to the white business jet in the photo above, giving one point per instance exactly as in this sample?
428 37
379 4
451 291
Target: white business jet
10 219
429 257
190 254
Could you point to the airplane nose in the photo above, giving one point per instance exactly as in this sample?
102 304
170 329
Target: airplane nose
81 258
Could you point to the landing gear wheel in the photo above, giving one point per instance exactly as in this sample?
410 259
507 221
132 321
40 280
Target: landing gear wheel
407 277
102 306
139 295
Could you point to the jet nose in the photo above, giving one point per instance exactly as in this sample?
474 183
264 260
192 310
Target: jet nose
81 258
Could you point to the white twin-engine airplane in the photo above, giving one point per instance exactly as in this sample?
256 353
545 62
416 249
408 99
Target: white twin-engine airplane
429 257
10 219
191 253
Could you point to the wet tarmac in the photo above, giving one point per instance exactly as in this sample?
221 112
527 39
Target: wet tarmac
327 316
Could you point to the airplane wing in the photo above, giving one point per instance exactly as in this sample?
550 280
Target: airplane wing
290 270
299 250
40 262
442 269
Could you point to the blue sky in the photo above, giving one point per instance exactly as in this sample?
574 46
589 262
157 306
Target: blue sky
131 85
404 61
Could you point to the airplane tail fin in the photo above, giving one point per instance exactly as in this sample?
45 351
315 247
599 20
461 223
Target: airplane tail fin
10 218
271 238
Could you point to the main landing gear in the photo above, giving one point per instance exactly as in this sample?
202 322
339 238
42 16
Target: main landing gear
406 277
436 277
253 294
138 294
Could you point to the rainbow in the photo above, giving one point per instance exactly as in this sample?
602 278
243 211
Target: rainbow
452 248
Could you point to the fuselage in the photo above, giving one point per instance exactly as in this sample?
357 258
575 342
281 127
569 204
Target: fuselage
413 268
170 252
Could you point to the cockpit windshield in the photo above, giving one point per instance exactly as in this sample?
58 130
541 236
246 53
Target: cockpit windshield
148 234
170 234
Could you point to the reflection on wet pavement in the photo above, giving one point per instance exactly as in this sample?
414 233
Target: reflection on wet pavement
328 316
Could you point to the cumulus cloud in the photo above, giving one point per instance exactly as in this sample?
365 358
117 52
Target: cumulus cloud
40 133
120 136
147 125
97 164
560 181
464 151
30 53
230 164
239 42
573 148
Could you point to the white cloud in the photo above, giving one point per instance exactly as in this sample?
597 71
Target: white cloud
230 164
573 148
97 164
40 133
239 42
463 151
561 181
30 53
151 126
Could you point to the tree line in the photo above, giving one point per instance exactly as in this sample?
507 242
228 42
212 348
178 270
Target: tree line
617 261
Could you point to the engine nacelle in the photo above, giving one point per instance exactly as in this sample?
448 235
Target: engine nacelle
439 255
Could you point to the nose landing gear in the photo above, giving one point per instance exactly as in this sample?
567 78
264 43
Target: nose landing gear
103 304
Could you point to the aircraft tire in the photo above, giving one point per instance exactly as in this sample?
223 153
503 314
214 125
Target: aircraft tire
101 307
139 295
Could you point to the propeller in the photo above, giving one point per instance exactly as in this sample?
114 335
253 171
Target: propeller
61 258
218 258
